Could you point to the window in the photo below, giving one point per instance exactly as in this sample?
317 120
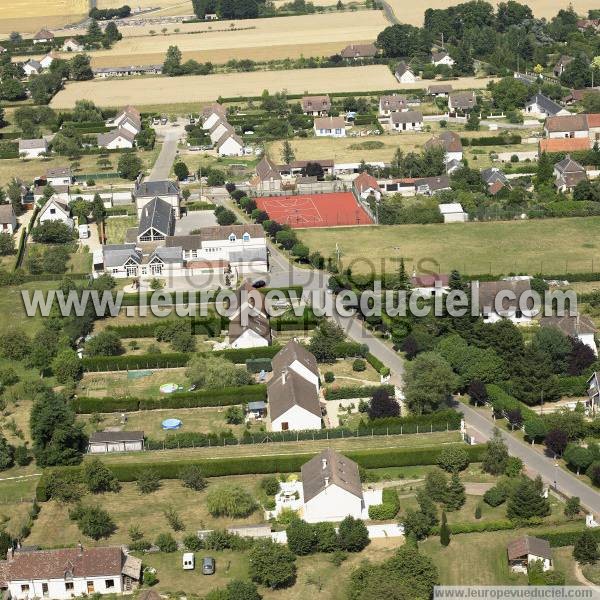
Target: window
232 237
246 237
25 587
109 583
52 211
45 589
69 586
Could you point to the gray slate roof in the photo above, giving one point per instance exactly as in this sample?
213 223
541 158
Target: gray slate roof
408 116
115 255
156 215
156 188
528 544
493 174
548 106
116 436
488 290
106 138
329 468
33 144
570 325
288 389
291 352
7 213
173 254
218 232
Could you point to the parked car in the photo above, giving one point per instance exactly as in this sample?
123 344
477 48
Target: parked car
188 561
84 231
259 283
208 565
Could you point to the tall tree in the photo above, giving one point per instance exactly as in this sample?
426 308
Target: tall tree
444 531
526 501
287 152
585 550
496 455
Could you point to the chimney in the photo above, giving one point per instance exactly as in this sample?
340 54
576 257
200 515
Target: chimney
324 463
326 481
10 554
79 549
283 376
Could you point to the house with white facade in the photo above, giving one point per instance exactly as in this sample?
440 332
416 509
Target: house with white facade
442 58
166 190
428 186
461 102
249 325
33 148
593 392
293 402
46 61
568 173
116 139
451 143
408 120
329 127
64 573
8 219
366 185
60 176
575 326
316 106
54 210
542 106
359 51
504 300
32 67
129 119
527 549
267 176
72 45
213 113
43 37
568 126
295 357
439 90
429 285
331 488
404 74
391 104
157 221
230 144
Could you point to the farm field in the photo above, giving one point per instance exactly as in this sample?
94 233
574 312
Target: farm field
549 246
413 13
320 35
26 16
167 90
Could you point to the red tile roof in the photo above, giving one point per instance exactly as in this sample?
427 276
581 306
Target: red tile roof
564 144
365 181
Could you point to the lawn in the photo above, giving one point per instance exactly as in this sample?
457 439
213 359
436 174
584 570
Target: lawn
16 497
117 226
128 507
202 420
345 375
11 303
549 246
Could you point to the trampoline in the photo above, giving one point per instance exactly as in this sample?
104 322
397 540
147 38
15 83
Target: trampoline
168 388
171 424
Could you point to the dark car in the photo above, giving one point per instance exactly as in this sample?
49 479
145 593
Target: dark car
208 565
259 284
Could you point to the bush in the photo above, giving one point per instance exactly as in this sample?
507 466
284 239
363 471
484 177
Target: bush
166 542
93 521
353 535
495 496
453 459
148 481
388 509
230 501
301 537
191 477
359 365
272 565
329 377
270 485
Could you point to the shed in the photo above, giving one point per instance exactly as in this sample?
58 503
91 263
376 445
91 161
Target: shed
116 441
453 213
257 410
527 549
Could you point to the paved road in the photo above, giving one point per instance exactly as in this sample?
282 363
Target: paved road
166 158
565 482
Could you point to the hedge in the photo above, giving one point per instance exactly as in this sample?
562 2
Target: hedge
210 326
256 365
500 525
354 391
575 385
219 397
389 507
260 465
495 140
566 538
446 420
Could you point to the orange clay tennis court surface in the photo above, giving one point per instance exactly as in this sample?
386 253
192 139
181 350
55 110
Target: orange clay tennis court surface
315 210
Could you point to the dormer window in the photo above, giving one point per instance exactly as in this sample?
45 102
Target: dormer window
232 237
246 237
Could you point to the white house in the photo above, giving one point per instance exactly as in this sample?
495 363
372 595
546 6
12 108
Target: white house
267 177
542 106
129 118
59 176
442 58
453 212
329 127
461 101
115 139
54 210
450 141
568 126
65 573
230 144
8 219
429 285
504 300
593 392
568 173
166 190
213 113
72 45
404 74
428 186
527 549
293 402
295 357
220 128
366 185
409 120
249 325
46 61
331 488
33 148
102 442
32 67
316 106
390 104
576 326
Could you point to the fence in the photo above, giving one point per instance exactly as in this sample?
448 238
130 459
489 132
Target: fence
89 176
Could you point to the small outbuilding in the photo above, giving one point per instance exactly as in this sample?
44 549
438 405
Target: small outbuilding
453 213
116 441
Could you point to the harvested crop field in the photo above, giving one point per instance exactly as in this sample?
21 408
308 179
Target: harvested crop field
27 16
258 39
171 90
165 90
413 13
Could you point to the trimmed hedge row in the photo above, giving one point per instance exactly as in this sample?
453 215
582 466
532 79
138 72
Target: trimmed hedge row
260 465
492 140
565 538
354 391
220 397
502 402
389 507
481 526
210 326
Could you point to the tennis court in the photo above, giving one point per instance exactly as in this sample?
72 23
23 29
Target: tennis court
315 210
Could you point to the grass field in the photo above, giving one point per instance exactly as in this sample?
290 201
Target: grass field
166 90
549 246
117 226
260 39
26 16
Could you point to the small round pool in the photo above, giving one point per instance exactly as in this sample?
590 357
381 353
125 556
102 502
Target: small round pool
168 388
171 424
